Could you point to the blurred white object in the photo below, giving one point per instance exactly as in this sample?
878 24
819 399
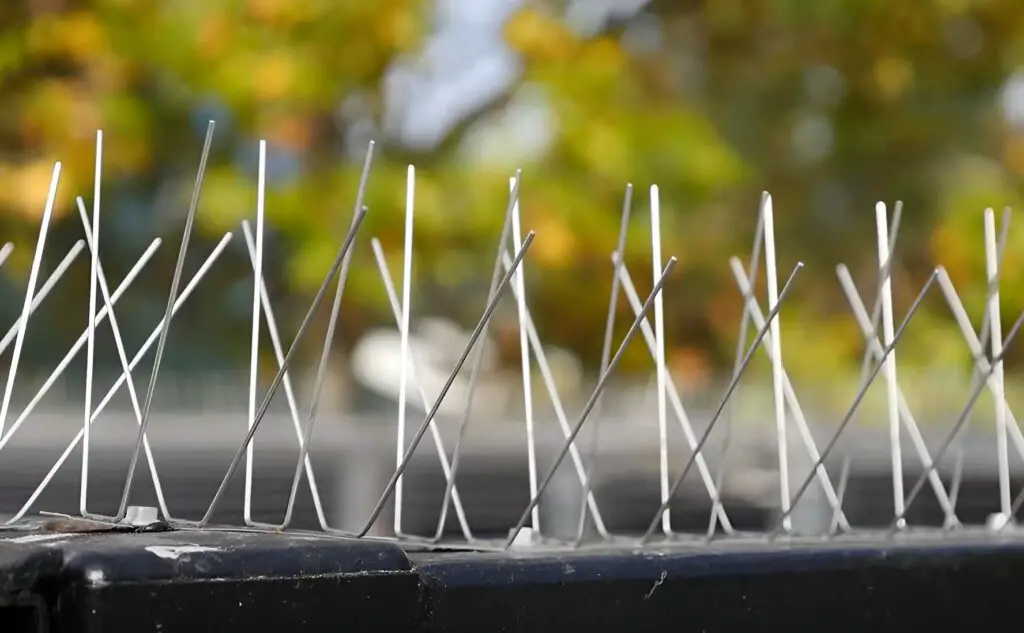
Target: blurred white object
590 17
566 369
520 132
1012 100
464 66
436 346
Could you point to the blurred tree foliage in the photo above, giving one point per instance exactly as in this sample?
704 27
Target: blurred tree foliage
830 105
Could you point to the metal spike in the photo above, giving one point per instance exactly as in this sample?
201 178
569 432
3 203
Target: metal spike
753 311
876 348
26 308
775 343
619 255
358 212
762 332
859 397
166 323
91 232
889 367
435 433
254 345
293 408
262 410
474 371
488 312
676 401
535 499
976 390
741 344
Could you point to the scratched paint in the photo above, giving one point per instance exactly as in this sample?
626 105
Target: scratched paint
174 552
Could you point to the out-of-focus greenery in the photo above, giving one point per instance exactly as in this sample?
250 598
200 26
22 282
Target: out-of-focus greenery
905 95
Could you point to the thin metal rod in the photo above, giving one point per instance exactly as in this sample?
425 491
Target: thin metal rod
123 357
774 343
619 255
90 349
254 342
325 351
293 407
185 294
477 331
1016 435
865 384
417 377
162 341
69 356
753 311
889 363
675 400
875 349
741 345
26 308
762 332
5 252
659 356
44 291
601 383
346 245
519 292
996 340
883 274
474 372
977 388
403 333
844 478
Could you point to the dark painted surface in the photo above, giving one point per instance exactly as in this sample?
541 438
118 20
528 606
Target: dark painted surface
207 581
192 581
859 589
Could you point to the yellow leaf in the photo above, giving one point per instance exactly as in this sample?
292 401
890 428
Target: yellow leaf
273 76
605 55
28 186
605 149
292 131
47 111
41 36
948 244
83 36
1013 154
892 77
215 35
110 73
396 27
954 7
129 155
555 245
280 14
79 36
536 34
228 197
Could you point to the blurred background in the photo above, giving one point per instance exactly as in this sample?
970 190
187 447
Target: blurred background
830 105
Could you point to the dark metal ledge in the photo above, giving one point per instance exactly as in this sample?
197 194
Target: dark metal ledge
225 581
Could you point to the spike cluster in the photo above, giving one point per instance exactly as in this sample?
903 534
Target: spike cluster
881 335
